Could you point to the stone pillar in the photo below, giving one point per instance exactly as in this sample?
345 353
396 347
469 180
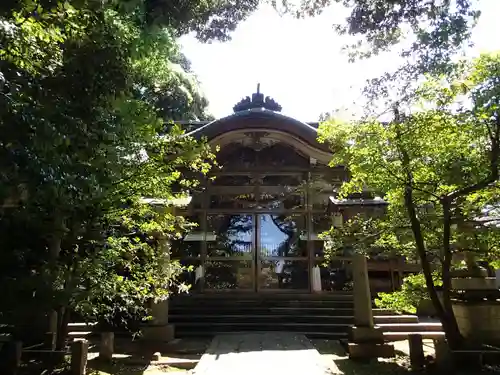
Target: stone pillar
444 357
159 329
79 352
363 313
107 346
366 340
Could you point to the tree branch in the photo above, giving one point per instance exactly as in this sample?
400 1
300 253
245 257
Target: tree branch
494 169
416 225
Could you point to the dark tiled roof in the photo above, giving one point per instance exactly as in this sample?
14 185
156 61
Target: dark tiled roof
198 124
256 119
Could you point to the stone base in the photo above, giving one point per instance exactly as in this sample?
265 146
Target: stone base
478 321
474 283
158 333
367 343
369 350
366 334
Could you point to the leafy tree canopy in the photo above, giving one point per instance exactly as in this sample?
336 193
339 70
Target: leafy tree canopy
436 164
86 89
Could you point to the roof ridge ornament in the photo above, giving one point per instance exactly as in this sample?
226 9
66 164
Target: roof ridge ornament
257 101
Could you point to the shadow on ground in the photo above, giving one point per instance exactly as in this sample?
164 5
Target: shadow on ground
139 358
332 350
117 366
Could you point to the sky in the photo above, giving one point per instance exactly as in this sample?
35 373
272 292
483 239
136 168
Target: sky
300 63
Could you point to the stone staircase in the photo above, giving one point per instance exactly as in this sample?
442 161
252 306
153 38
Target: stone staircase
80 330
400 331
328 316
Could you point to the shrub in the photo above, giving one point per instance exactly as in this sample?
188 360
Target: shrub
406 300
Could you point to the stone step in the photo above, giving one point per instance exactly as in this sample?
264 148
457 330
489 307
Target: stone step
265 297
278 318
314 314
401 336
261 326
79 334
326 331
78 327
410 327
259 310
4 337
377 311
399 319
325 335
227 318
215 304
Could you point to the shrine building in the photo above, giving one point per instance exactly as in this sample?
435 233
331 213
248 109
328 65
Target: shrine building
258 217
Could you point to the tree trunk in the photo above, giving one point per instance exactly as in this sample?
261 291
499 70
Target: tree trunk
54 247
448 320
421 249
451 330
444 310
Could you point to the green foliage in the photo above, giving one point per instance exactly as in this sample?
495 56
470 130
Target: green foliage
407 300
437 166
87 99
447 151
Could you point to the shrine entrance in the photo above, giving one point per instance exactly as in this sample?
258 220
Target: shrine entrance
258 252
258 217
257 220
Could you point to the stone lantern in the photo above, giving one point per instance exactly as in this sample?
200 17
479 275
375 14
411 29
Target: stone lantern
159 329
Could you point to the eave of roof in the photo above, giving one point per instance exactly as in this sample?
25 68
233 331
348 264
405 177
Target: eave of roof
198 124
257 118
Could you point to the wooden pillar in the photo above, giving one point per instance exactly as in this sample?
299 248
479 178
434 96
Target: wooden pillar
417 358
391 270
205 202
310 229
401 267
51 335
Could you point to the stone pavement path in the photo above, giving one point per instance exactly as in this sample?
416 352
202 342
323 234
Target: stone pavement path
267 353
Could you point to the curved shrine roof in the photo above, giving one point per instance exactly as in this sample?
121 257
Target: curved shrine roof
257 118
259 113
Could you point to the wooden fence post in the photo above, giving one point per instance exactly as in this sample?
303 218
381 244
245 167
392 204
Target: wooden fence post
51 334
417 357
13 351
79 352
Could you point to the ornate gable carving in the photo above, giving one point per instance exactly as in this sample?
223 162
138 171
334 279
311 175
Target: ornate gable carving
257 101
